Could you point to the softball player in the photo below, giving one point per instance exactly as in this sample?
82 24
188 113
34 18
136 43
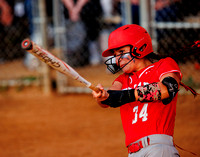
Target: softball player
146 92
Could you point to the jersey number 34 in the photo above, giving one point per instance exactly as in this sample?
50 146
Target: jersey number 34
143 113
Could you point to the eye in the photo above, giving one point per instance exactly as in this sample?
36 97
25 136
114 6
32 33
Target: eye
121 52
118 53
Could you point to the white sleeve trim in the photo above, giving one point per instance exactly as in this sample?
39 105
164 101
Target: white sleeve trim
171 71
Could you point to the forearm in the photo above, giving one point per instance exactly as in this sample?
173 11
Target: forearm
80 4
148 93
118 98
102 105
6 17
69 4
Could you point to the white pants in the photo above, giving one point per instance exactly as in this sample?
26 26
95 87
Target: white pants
159 146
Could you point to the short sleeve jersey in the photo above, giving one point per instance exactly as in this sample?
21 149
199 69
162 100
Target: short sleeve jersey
141 119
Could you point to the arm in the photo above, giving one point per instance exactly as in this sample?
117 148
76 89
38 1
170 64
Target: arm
74 9
6 16
80 5
170 91
69 4
164 90
103 95
158 86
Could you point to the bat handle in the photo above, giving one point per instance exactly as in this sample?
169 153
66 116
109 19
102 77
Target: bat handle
94 88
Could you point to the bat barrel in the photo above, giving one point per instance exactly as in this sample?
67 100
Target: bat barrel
54 62
26 44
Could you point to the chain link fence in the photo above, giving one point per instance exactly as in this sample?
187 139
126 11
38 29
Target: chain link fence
12 32
175 25
171 23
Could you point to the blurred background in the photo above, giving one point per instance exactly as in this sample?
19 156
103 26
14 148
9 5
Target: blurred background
44 113
77 32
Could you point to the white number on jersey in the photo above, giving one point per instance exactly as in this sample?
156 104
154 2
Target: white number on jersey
135 110
143 113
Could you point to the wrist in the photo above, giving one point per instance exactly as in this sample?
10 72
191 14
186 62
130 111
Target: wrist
118 98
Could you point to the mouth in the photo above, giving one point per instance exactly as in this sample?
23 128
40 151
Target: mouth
122 65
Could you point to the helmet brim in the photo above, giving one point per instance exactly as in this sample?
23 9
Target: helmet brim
107 53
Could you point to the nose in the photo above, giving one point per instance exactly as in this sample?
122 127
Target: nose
118 59
125 56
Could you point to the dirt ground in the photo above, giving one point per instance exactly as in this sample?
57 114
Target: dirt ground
73 125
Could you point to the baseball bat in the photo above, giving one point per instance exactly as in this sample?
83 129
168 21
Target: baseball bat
55 62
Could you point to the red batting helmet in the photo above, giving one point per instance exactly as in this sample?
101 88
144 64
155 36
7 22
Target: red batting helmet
133 35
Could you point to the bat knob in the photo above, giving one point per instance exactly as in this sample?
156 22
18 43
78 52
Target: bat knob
26 44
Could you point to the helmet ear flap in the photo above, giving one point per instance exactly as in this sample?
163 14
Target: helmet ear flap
134 54
142 48
134 51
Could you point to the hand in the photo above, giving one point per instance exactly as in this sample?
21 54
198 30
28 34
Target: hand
100 96
74 15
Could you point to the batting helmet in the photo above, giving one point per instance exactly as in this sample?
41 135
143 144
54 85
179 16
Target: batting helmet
135 36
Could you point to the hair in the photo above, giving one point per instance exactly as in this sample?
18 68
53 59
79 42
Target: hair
153 57
178 56
183 54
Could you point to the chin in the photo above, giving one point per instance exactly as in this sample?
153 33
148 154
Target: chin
128 71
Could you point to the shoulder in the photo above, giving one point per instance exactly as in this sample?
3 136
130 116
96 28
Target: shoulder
167 65
167 60
122 77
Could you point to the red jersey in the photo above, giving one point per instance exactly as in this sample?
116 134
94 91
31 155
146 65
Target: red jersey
143 119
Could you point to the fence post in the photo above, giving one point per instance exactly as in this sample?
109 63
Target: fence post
43 28
126 12
144 15
60 41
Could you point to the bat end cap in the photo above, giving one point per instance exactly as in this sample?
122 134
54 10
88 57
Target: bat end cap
26 44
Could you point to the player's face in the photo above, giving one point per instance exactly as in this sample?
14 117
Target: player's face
124 59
